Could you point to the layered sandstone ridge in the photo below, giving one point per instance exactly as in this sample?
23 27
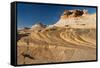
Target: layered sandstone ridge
77 19
72 38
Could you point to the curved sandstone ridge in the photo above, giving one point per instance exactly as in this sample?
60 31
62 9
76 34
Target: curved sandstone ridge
72 38
57 45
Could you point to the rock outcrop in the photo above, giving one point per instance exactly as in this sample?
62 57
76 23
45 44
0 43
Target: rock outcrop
38 27
72 38
76 19
73 13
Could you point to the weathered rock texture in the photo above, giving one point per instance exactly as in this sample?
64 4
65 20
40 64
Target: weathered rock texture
77 19
59 43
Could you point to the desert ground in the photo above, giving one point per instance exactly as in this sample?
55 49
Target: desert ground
72 38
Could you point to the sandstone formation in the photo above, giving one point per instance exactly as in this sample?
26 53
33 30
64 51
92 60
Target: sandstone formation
73 13
38 26
76 18
72 38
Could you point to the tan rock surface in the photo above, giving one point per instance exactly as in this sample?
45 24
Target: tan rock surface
63 42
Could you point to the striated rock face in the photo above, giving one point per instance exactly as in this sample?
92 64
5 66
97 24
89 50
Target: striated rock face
77 19
72 38
57 45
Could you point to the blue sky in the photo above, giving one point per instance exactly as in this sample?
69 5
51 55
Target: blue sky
29 14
